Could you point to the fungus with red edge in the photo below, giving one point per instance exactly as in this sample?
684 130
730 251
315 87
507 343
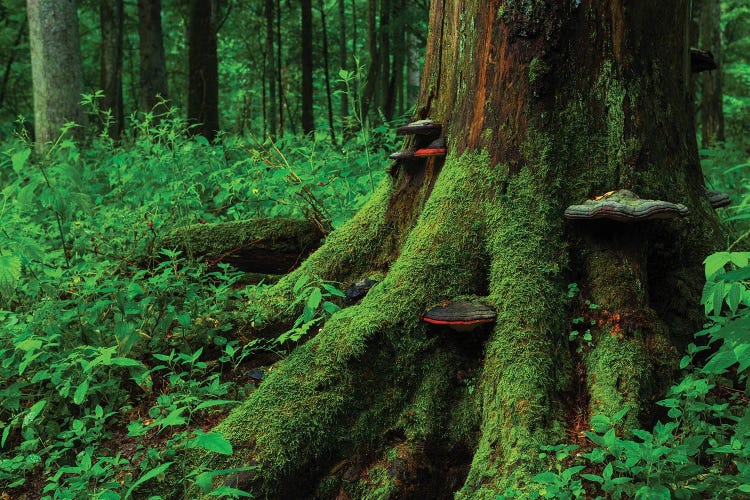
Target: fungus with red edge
717 199
435 148
461 315
420 127
701 60
625 206
402 155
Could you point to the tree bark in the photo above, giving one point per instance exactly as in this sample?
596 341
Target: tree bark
308 121
329 100
712 111
543 105
55 68
111 15
343 62
203 69
153 69
271 76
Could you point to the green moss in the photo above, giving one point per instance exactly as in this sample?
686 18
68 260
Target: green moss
525 366
370 361
618 372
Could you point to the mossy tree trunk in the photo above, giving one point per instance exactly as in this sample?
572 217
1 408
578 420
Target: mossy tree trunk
544 104
55 67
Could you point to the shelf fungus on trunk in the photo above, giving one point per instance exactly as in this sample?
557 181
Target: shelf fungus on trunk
461 315
701 60
420 127
435 148
406 154
717 199
623 205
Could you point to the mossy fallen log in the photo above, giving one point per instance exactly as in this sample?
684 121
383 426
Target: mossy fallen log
268 246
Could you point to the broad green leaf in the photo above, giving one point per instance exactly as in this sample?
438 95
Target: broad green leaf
228 491
34 412
734 296
214 402
79 396
719 362
19 159
147 476
715 262
212 441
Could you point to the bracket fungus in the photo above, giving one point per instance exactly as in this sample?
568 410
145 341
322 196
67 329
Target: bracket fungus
420 127
717 199
625 206
402 155
435 148
460 315
701 60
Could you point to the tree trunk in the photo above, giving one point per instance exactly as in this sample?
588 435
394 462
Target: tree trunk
203 69
343 63
308 122
111 16
153 69
279 62
55 67
324 29
270 69
543 105
712 111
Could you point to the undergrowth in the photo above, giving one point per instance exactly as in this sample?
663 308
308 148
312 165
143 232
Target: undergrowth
114 351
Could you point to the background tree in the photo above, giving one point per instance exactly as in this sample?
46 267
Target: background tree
153 70
56 67
203 68
542 106
308 121
711 106
111 18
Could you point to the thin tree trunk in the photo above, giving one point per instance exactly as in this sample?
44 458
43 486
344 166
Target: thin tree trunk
329 100
343 63
279 63
111 15
371 86
153 69
203 69
711 108
308 121
270 70
413 70
56 68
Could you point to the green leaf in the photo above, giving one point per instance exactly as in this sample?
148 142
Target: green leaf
10 273
228 491
174 418
720 361
80 395
715 262
19 160
147 476
34 411
214 402
212 441
734 296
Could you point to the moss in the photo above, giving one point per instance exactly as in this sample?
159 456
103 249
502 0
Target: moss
370 361
525 363
619 372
